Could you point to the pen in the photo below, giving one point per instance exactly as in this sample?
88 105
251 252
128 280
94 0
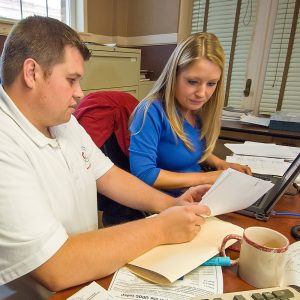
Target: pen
218 261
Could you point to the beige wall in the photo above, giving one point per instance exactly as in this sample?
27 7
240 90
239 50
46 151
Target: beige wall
121 18
150 25
132 17
100 16
150 17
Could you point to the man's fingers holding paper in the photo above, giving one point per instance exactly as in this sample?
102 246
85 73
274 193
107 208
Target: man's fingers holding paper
182 223
200 212
193 194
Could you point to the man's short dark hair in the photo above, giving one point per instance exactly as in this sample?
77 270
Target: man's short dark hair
41 38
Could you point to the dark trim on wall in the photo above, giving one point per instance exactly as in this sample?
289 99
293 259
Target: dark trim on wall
206 16
155 57
2 39
232 51
288 56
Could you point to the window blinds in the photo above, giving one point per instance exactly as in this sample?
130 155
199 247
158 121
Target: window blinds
220 20
20 9
277 61
291 100
243 44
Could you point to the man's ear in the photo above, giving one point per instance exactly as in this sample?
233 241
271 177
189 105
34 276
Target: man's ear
30 67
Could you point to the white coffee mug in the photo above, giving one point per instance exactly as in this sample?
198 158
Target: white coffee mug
262 256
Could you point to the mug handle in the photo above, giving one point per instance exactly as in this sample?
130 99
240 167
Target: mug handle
224 242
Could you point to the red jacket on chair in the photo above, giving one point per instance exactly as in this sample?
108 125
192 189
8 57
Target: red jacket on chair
105 112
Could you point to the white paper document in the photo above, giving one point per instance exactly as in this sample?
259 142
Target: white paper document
251 119
234 191
93 291
200 282
261 165
292 266
264 149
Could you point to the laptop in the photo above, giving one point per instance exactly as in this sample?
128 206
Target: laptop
263 207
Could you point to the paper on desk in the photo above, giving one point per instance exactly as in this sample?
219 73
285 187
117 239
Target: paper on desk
255 120
264 149
292 266
93 291
261 165
167 263
234 191
200 282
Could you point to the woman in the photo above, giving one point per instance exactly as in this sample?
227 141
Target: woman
175 128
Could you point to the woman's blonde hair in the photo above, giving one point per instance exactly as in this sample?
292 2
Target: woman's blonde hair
196 46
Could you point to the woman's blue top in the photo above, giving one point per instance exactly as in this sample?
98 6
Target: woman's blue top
154 146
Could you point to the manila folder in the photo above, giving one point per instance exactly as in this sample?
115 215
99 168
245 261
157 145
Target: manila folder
167 263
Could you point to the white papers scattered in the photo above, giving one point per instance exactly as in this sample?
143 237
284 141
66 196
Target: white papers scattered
292 266
261 165
93 291
245 116
233 114
255 120
234 191
200 282
264 149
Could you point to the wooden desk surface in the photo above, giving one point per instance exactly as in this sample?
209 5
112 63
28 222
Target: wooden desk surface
232 283
238 132
259 130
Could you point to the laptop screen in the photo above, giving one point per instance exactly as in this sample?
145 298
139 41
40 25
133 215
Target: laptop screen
263 207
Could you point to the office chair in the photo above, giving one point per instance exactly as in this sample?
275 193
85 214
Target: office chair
104 115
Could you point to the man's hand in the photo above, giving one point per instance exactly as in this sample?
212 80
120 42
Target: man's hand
193 194
181 224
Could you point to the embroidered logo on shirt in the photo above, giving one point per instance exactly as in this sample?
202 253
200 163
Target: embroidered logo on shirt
85 158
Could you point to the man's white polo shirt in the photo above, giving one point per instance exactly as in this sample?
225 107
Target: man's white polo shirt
47 192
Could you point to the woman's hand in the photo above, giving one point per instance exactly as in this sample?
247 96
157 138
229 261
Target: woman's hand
241 168
220 164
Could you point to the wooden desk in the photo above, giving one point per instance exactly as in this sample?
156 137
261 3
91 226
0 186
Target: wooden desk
238 132
232 283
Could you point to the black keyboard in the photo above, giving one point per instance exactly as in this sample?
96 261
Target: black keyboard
263 176
282 293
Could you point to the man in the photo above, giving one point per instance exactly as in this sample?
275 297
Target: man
51 170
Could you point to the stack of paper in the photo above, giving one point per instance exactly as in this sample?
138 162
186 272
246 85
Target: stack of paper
265 150
251 119
234 191
261 165
201 281
231 116
234 114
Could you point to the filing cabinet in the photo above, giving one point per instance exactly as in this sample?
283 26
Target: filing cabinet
112 68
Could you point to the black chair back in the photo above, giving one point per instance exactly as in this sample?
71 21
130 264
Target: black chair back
113 212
